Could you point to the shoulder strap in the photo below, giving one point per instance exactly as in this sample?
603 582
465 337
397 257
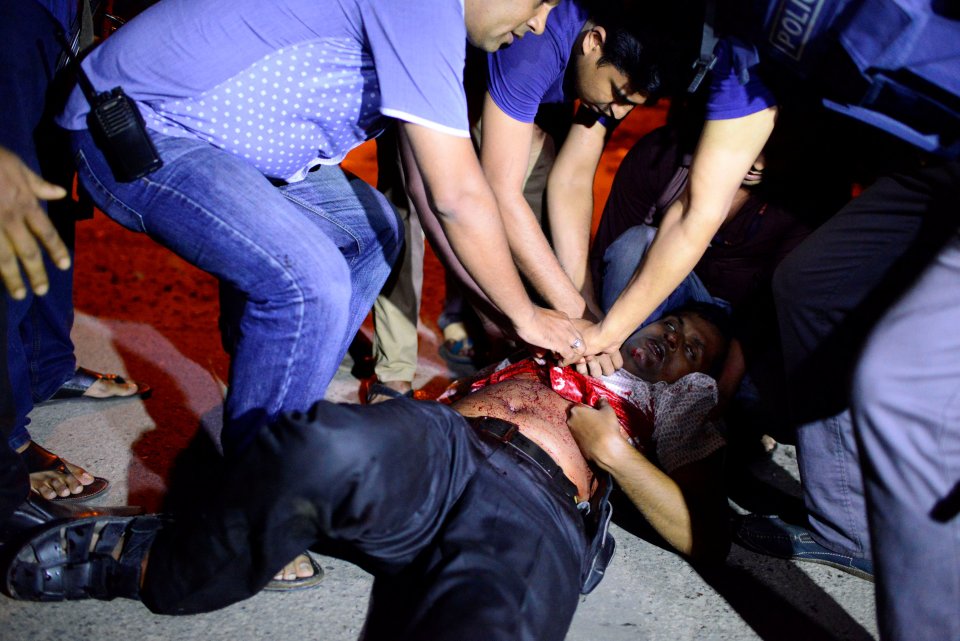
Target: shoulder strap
708 43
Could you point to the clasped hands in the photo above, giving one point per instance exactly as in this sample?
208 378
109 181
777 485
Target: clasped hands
572 341
599 356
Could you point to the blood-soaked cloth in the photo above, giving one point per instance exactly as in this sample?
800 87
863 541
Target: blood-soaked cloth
668 420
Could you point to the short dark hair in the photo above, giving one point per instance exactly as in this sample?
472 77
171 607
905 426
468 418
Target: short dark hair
653 43
717 316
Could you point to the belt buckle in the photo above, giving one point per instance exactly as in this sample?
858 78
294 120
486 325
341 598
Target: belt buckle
511 432
489 424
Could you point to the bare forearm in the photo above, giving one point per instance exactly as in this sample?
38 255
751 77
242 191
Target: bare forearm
536 260
571 214
690 515
686 507
726 151
657 497
444 180
570 199
509 150
679 244
468 233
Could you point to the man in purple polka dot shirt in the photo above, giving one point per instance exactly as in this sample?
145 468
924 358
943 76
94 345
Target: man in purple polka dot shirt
251 109
251 112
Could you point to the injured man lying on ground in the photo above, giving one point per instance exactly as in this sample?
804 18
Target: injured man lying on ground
482 519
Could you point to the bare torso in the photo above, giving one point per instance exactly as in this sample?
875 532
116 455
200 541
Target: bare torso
541 415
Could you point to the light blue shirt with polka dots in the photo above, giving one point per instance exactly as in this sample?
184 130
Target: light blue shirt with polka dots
289 84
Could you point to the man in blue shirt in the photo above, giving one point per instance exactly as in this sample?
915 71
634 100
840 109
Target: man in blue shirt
251 111
609 63
578 58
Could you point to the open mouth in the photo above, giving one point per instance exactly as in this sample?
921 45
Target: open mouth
656 349
651 351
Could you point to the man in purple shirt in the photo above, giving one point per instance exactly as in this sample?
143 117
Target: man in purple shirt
609 59
596 60
251 112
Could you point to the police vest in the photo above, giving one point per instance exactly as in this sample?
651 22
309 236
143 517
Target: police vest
894 64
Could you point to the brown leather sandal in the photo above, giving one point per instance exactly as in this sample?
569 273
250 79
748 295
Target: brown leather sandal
40 459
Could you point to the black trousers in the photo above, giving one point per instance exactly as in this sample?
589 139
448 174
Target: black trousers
467 539
834 287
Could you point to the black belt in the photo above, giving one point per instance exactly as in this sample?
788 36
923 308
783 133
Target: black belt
509 434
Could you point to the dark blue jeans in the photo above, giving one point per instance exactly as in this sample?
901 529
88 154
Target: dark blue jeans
14 483
39 355
466 538
302 262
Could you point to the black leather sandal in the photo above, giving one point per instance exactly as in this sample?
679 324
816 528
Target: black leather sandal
40 459
75 560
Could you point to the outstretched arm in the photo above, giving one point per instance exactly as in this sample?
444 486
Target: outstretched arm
725 153
686 507
23 223
505 156
445 183
570 204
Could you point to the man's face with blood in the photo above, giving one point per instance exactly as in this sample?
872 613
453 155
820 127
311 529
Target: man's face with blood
673 347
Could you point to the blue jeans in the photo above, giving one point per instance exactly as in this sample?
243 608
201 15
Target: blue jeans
906 411
306 261
622 258
39 354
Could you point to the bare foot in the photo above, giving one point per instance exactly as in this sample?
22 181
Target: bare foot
299 568
768 443
53 483
110 387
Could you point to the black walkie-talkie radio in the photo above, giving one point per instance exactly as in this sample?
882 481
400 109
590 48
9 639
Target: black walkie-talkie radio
117 128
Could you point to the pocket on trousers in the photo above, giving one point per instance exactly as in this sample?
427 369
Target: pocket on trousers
602 545
104 199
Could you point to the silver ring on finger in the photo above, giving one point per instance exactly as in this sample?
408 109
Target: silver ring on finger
576 344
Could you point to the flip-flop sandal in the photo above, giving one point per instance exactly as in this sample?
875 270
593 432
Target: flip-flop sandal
40 459
303 583
75 388
379 389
